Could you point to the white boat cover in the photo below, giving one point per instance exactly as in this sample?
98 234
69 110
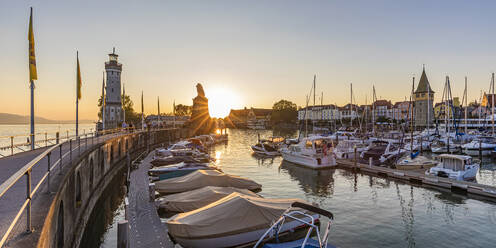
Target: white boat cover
231 215
201 178
191 200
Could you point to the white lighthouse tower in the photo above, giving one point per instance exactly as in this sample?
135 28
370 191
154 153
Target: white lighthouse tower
113 101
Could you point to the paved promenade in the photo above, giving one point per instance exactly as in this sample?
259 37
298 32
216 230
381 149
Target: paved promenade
11 202
146 228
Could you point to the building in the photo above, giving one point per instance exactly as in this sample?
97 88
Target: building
382 108
114 115
249 117
319 113
401 111
423 97
346 112
166 120
440 109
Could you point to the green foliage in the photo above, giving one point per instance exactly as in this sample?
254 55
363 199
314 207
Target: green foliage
183 110
284 111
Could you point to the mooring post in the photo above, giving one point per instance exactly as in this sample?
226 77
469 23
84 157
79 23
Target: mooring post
151 189
11 145
28 197
480 150
70 150
60 162
355 151
48 171
122 234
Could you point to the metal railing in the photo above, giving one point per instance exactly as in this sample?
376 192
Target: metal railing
27 169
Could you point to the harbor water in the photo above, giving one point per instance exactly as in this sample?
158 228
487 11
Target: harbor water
369 211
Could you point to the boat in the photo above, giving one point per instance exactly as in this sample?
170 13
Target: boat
201 178
234 220
486 144
414 161
314 152
294 213
269 146
206 140
458 167
441 146
178 170
346 148
381 151
194 199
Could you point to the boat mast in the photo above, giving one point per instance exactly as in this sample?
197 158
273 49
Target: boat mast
492 102
373 108
411 117
351 105
466 105
428 109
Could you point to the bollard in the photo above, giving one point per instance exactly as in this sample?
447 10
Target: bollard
151 191
70 150
122 234
480 150
57 137
11 145
48 170
356 157
60 162
370 162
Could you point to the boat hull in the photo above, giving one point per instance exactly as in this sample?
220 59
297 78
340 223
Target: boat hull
310 162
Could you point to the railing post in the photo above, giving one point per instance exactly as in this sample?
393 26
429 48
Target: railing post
46 140
85 142
67 132
11 145
28 197
70 149
48 170
57 137
60 162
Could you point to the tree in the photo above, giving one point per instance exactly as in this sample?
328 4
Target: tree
284 111
127 105
183 110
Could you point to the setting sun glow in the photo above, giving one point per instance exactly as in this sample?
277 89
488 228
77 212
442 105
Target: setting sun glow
221 101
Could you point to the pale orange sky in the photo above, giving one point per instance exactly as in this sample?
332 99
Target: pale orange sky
263 51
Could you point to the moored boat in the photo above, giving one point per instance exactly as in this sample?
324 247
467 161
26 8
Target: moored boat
234 220
484 145
178 170
314 152
459 167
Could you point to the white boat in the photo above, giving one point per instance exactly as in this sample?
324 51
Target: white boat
178 170
459 167
234 220
346 148
314 152
415 162
484 143
269 146
382 151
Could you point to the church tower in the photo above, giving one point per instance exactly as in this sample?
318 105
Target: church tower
424 97
113 103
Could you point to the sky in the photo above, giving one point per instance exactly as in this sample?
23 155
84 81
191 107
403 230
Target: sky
259 51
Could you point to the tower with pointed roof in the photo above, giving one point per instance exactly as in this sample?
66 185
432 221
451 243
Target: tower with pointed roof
113 102
423 97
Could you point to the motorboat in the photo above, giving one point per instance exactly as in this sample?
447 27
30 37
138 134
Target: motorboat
458 167
381 151
346 148
441 146
179 169
194 199
206 140
269 146
314 152
202 178
483 144
416 145
294 213
414 161
235 220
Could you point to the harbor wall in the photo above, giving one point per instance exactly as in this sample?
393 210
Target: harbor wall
86 179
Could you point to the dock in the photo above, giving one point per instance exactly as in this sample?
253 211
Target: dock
418 178
146 228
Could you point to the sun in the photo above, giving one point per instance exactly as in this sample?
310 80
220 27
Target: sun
221 101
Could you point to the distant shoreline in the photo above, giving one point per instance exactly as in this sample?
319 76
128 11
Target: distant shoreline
15 119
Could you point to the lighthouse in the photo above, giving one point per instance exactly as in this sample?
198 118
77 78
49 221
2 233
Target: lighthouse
113 101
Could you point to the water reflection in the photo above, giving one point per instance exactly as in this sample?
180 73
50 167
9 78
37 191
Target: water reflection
316 182
263 160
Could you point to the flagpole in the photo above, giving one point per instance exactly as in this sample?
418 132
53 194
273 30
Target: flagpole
77 94
32 114
103 102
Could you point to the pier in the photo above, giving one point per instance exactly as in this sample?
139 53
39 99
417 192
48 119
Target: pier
418 178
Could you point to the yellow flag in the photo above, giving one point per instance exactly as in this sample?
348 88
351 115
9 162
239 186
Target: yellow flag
78 77
33 75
